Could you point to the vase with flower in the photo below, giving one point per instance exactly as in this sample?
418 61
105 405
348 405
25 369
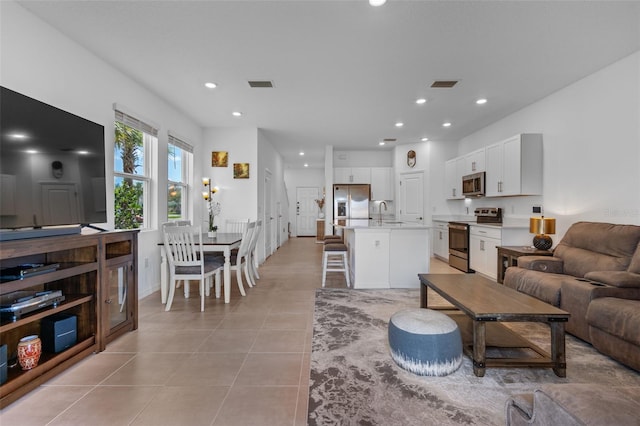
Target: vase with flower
320 203
213 207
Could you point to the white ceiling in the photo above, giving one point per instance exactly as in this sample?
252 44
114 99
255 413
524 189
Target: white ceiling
344 72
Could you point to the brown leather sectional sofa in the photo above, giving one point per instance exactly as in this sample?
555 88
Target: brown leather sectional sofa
594 274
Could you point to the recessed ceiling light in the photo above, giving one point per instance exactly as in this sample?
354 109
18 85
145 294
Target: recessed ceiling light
301 153
236 113
381 143
83 152
481 101
31 151
446 124
421 101
210 85
424 139
399 124
377 3
306 165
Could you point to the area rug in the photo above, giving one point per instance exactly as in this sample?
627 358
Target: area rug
354 381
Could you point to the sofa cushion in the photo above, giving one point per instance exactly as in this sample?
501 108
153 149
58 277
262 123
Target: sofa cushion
594 246
541 285
576 404
621 279
634 266
619 317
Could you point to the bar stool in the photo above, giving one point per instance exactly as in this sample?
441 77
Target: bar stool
329 239
335 260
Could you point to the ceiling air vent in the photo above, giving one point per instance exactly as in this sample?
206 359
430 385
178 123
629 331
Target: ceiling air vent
260 83
389 140
447 84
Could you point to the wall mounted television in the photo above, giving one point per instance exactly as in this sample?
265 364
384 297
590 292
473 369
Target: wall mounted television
52 168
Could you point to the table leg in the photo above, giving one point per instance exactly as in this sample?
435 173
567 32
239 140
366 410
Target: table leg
479 348
163 276
558 349
423 295
227 275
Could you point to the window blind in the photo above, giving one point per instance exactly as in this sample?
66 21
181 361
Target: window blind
174 140
130 120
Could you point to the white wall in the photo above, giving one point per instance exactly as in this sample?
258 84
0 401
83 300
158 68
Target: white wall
382 158
40 62
238 197
430 159
591 133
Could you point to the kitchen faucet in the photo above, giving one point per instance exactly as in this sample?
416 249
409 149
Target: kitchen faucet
380 211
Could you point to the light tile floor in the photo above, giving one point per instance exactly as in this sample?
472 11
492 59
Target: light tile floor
244 363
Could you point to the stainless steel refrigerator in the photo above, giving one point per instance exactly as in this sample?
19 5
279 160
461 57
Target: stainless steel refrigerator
351 201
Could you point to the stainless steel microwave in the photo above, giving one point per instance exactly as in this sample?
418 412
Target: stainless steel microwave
473 185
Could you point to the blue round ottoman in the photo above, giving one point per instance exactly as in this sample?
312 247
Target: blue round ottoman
425 342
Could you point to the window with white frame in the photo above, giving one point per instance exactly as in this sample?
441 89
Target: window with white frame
179 166
134 140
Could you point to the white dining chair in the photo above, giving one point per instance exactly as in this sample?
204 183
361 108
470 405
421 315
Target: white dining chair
252 262
183 245
178 284
237 226
239 260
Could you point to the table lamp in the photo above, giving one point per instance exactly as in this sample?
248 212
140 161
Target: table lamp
541 226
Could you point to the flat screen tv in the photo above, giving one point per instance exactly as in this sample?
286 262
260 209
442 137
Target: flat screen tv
52 166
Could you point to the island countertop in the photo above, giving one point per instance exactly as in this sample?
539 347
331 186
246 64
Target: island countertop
375 224
387 255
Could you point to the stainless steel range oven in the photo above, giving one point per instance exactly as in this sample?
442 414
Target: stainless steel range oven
459 236
459 246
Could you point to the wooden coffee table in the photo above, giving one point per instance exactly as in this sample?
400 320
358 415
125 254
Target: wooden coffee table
485 304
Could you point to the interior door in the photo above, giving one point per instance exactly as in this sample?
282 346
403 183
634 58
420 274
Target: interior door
60 203
411 204
268 217
306 211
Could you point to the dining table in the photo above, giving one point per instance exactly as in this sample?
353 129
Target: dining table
222 242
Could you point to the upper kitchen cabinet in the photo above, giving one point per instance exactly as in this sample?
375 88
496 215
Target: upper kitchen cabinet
352 175
474 162
514 166
454 170
382 183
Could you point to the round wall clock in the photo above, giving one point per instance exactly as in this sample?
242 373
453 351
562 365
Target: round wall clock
411 158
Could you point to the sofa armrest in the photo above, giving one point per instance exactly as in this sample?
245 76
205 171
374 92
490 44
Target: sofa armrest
553 265
622 279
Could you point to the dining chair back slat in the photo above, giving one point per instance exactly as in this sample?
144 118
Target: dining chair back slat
183 247
236 226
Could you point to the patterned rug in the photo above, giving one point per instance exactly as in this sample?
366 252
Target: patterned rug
354 381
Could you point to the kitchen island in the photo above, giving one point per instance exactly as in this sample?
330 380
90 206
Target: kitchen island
390 254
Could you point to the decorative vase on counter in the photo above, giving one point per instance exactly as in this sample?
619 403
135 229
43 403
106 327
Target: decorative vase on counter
29 351
212 234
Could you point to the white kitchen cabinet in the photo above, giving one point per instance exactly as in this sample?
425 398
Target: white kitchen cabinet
440 240
386 256
483 254
454 170
474 162
382 183
514 166
483 243
352 175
